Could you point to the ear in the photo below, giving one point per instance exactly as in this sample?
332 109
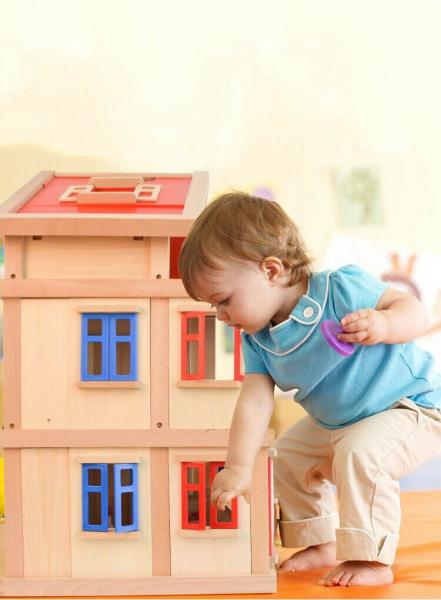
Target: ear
272 267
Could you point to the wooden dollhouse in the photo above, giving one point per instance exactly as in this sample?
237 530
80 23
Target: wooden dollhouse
116 405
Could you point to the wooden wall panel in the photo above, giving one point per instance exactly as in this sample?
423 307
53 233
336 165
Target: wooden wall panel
111 557
46 507
206 555
51 355
200 407
87 257
260 516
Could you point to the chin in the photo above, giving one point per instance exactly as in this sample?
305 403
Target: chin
251 330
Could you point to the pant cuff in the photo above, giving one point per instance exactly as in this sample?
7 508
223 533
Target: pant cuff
309 532
358 544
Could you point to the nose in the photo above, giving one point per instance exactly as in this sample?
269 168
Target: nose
221 314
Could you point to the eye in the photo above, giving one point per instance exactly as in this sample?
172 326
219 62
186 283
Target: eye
224 302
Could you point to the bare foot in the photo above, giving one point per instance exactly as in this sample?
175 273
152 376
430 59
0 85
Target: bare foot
312 557
359 572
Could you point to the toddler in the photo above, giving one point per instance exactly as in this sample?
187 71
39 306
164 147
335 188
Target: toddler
372 417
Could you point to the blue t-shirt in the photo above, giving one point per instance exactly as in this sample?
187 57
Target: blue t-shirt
336 390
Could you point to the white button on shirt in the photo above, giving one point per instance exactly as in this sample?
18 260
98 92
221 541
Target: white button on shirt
308 312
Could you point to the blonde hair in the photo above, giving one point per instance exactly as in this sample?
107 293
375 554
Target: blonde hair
237 226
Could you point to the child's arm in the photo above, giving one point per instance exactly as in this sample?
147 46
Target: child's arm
397 318
250 421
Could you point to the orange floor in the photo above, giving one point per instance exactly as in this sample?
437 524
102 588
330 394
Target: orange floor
417 568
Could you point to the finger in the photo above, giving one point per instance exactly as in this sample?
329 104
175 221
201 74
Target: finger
224 500
353 338
358 314
357 325
215 495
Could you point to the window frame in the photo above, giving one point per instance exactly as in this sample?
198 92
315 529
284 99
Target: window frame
103 490
200 487
109 340
199 338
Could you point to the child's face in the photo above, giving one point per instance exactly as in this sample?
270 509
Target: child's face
242 294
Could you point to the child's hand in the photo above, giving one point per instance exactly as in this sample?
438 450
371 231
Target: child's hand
229 483
366 327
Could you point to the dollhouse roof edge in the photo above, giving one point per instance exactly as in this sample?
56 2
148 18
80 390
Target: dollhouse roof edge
101 224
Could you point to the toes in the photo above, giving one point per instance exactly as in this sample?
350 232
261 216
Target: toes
333 578
287 565
345 579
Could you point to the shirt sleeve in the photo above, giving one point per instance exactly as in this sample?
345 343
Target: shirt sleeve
352 288
251 356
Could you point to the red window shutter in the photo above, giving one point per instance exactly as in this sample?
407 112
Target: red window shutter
214 521
188 519
238 375
187 339
175 248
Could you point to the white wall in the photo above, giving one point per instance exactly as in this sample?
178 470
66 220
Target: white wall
259 93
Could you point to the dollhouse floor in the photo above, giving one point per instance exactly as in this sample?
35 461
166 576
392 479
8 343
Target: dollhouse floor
417 568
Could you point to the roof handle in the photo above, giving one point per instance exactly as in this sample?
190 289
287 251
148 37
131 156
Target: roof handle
112 190
115 182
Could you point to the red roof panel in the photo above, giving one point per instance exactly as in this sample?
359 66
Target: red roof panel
171 199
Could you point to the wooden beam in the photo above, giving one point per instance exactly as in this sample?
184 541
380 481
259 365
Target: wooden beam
124 174
92 288
134 586
21 196
160 507
14 540
95 225
260 559
13 257
12 364
197 195
120 438
159 364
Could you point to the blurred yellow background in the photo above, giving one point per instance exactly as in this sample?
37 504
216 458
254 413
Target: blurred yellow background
258 93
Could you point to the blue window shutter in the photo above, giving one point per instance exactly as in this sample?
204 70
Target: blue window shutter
132 491
131 339
102 339
101 490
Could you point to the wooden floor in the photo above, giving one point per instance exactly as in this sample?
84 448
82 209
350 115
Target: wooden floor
417 569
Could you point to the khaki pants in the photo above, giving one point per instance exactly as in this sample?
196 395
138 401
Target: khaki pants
364 460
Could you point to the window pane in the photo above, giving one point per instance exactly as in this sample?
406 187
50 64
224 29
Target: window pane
122 326
224 342
123 358
127 508
94 358
192 358
224 516
94 517
192 475
94 327
126 477
94 477
192 325
111 495
193 507
210 347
